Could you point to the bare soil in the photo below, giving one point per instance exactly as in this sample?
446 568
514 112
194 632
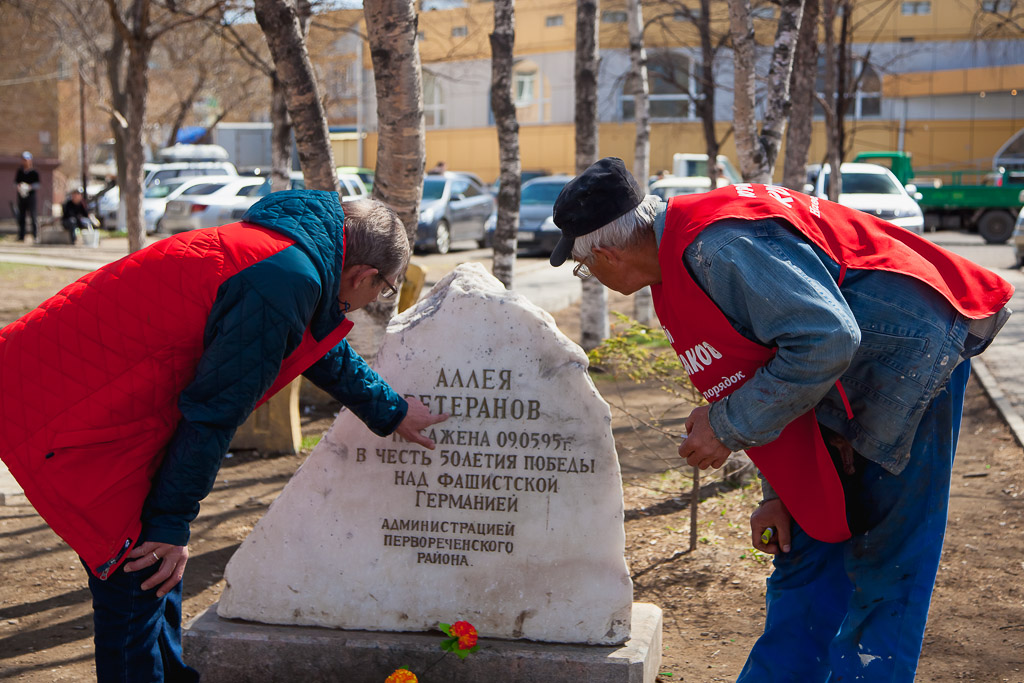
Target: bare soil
712 597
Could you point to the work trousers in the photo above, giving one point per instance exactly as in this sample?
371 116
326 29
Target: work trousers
856 610
137 635
27 208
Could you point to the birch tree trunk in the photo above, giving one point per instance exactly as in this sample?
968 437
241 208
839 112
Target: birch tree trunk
640 90
643 307
759 151
280 138
391 28
137 82
831 101
281 123
706 104
803 96
134 30
502 45
280 22
114 62
594 300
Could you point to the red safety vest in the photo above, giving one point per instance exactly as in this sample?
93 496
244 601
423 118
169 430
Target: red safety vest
93 376
719 360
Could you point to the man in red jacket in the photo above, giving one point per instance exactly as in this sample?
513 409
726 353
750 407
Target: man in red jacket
184 339
834 348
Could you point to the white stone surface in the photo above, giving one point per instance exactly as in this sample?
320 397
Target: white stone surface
514 524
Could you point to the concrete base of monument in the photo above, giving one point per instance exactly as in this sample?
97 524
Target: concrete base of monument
226 651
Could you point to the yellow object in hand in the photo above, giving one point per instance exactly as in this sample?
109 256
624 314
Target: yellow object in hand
767 535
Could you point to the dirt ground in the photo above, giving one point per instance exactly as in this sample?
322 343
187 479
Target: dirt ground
713 597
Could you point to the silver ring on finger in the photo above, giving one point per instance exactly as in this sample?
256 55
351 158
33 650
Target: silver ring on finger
156 557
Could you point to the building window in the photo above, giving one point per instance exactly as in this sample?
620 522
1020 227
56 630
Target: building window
433 101
524 87
865 101
459 31
63 67
554 20
997 6
531 93
613 17
673 88
869 93
916 7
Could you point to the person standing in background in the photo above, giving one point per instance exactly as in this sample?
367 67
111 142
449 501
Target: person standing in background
26 180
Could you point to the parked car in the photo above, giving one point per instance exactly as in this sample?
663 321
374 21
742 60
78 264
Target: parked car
352 186
155 198
159 172
524 176
685 165
537 229
669 187
365 174
240 205
1018 239
207 202
455 207
870 188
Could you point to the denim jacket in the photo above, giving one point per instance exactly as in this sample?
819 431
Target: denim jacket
889 339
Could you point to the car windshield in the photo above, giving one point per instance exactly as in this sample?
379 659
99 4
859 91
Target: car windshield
203 188
160 191
865 183
541 193
248 190
433 188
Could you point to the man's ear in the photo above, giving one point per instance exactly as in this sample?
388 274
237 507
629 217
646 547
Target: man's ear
609 254
356 275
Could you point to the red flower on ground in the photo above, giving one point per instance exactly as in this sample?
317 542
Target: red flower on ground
402 676
466 634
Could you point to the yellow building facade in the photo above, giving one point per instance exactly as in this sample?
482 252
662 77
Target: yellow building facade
941 79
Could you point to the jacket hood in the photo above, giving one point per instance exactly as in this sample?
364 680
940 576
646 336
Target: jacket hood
315 220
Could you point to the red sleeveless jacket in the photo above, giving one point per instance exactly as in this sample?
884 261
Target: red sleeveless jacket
719 360
90 381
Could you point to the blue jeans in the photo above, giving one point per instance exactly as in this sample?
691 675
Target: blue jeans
137 634
856 611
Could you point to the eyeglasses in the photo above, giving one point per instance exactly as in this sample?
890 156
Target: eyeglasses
390 290
581 271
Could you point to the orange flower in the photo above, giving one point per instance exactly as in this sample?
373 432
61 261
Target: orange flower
466 634
402 676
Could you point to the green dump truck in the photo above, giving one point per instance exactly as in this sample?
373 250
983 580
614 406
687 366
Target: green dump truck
984 201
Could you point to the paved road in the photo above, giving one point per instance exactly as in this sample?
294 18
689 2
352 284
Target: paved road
1003 362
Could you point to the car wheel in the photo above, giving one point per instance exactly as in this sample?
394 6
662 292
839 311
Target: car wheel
442 238
996 227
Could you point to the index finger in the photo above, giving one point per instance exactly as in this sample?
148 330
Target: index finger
434 419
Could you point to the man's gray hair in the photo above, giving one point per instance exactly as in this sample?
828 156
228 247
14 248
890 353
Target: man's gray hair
624 231
374 236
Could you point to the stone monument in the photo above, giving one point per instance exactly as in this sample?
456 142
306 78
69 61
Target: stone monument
514 522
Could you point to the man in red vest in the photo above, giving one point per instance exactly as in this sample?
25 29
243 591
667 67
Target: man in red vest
120 395
833 347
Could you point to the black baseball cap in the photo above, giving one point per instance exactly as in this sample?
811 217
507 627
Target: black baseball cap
592 200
